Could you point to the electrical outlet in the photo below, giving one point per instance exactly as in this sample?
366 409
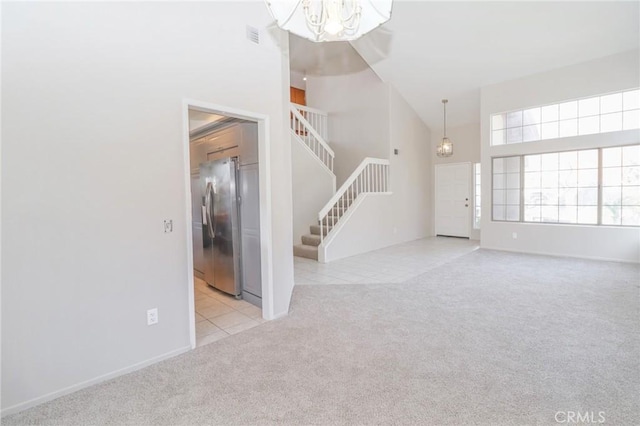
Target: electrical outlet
152 316
168 226
514 235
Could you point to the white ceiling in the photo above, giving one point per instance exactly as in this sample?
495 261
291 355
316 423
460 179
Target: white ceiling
333 58
200 119
435 50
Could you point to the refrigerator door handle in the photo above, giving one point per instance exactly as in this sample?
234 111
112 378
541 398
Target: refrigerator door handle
209 209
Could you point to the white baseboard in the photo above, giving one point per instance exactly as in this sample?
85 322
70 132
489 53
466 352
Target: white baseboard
280 315
546 253
73 388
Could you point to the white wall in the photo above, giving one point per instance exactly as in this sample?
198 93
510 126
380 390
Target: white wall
410 170
609 74
313 186
364 230
358 107
466 148
297 80
383 220
93 163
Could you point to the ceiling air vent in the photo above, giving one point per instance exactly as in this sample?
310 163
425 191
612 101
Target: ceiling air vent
253 34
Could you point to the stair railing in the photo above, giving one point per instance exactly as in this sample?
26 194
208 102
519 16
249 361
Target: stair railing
311 138
316 118
371 176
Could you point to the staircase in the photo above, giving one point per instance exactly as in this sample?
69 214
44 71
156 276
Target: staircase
371 176
311 241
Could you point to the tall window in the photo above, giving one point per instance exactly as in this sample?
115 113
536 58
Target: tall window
621 185
561 187
590 187
597 114
506 189
477 187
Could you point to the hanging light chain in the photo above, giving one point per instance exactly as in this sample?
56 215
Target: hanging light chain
444 107
445 147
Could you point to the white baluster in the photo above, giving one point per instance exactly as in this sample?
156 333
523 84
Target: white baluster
375 177
387 188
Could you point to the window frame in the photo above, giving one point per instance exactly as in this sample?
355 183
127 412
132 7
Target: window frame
507 117
477 193
519 189
599 205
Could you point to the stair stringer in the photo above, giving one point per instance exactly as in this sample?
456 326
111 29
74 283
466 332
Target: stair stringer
359 230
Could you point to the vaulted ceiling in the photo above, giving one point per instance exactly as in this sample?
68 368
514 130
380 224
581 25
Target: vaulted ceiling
434 50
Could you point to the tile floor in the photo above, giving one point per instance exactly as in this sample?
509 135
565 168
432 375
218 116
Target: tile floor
394 264
219 315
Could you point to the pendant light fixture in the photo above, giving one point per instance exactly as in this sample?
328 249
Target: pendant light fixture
445 147
330 20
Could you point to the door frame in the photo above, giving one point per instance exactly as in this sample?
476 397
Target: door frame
435 195
264 176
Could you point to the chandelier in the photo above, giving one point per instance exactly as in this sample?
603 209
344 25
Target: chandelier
330 20
445 147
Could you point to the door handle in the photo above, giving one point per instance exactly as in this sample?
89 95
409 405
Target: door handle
208 208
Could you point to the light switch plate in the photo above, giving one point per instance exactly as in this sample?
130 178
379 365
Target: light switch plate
168 226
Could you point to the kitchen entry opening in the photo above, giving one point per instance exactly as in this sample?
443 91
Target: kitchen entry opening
225 217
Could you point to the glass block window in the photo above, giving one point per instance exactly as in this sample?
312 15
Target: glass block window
506 189
621 186
477 192
599 114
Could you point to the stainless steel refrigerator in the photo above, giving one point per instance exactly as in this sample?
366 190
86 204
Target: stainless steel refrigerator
221 225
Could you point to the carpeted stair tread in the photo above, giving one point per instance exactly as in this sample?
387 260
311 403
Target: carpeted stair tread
315 229
303 250
311 240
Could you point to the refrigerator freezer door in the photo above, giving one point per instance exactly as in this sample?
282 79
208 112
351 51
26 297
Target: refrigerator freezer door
206 188
226 242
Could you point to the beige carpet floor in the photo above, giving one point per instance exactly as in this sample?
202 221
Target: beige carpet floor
491 338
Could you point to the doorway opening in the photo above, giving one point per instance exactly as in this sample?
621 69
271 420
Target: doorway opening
228 246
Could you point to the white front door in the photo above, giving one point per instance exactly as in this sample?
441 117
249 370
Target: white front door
453 185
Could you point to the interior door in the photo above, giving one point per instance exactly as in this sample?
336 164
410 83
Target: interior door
452 193
298 96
